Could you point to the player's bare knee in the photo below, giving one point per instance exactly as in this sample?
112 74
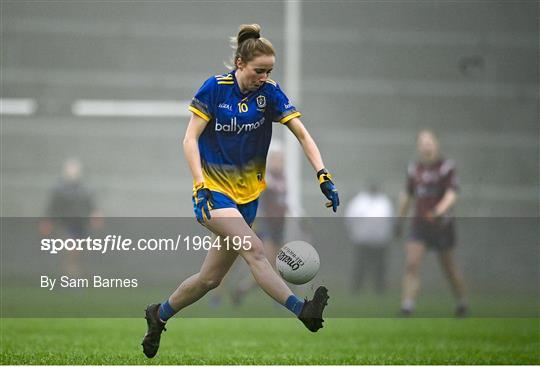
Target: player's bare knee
255 252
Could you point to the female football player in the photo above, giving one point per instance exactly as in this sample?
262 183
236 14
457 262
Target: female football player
225 145
432 184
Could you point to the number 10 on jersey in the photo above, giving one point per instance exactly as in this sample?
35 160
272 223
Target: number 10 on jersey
242 107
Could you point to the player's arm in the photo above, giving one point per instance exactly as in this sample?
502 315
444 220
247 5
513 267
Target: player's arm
194 130
446 203
308 144
450 194
404 204
314 157
405 200
46 224
201 194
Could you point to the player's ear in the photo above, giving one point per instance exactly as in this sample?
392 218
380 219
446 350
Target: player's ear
240 64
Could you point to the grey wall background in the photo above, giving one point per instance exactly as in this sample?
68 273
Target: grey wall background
373 74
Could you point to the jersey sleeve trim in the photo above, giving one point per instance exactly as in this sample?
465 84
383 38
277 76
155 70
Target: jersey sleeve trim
224 77
199 113
289 117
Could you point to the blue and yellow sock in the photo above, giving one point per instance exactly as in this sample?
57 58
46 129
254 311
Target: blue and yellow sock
166 311
294 304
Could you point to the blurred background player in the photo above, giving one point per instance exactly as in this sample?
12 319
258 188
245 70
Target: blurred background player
369 220
432 186
72 210
270 226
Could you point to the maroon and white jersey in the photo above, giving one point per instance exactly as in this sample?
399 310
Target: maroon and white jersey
427 183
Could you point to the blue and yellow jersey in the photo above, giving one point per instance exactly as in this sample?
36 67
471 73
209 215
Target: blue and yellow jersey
234 144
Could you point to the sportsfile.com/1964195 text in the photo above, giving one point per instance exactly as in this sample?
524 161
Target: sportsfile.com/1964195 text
111 243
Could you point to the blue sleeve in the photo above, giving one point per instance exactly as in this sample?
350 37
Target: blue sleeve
202 103
283 110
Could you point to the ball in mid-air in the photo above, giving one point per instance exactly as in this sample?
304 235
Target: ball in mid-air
297 262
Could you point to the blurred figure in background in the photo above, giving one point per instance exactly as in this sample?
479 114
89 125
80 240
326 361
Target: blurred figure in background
71 208
432 186
271 225
369 220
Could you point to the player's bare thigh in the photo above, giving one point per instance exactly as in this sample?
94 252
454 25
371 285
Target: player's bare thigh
228 222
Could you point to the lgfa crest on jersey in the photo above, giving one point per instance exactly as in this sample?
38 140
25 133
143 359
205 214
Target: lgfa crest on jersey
261 102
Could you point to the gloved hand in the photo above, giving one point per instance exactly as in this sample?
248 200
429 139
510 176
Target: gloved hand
202 202
328 189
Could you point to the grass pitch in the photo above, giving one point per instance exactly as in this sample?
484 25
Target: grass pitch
273 341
